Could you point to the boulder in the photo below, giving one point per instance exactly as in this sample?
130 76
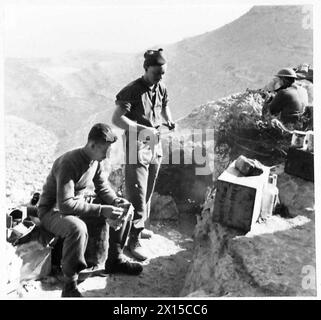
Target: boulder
296 193
163 208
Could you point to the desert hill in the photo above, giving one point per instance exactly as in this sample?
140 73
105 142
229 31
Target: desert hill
243 54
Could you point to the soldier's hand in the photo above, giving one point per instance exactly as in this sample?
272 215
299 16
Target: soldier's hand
121 202
269 97
113 215
171 125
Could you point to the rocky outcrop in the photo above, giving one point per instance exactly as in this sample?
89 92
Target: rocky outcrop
163 208
270 260
297 194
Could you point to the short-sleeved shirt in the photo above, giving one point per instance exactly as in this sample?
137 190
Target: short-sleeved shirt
143 104
290 102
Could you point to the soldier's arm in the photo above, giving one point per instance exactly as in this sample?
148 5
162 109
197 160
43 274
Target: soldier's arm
68 203
120 119
166 112
276 105
102 186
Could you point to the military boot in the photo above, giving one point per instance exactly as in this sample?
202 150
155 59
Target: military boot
135 246
70 290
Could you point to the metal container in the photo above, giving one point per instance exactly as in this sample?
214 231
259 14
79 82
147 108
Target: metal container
300 163
297 139
238 198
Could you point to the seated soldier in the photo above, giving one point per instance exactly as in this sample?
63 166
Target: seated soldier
290 99
63 204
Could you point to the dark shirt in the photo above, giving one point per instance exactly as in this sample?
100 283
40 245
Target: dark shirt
143 104
290 102
70 178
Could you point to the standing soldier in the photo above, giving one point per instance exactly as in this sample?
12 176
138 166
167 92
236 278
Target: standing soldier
141 107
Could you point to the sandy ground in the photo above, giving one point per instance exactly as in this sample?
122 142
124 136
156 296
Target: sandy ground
164 273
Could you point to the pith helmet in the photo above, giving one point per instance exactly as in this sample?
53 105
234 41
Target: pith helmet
286 72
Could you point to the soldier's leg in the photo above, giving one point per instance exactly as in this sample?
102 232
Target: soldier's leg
74 232
136 177
152 178
136 188
116 261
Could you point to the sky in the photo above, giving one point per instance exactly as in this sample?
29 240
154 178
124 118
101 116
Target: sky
50 29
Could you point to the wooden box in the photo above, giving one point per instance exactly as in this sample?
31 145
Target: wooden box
300 163
238 198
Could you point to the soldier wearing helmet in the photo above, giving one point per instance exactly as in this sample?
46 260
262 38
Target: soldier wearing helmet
290 99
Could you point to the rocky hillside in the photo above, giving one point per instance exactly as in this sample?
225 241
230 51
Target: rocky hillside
29 155
66 94
245 53
63 107
50 105
242 54
271 260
